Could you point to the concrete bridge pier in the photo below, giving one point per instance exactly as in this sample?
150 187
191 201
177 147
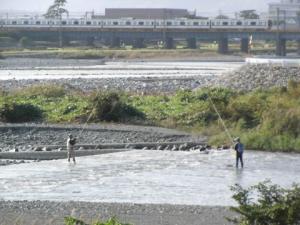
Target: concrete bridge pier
245 45
115 42
281 47
169 43
223 46
138 43
191 43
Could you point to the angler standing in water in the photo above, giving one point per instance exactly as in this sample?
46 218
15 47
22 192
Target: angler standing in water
239 148
70 147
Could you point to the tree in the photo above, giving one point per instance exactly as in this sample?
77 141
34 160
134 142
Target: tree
249 14
56 11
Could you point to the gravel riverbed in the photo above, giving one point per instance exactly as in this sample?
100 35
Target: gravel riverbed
25 137
263 76
53 213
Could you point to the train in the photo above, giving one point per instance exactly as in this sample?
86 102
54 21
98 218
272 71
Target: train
132 23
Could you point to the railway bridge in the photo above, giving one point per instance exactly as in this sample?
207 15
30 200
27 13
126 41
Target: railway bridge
138 36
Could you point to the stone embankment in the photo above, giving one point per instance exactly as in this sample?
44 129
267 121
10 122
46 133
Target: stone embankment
263 76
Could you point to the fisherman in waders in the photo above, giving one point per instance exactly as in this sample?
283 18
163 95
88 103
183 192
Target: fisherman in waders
70 147
239 148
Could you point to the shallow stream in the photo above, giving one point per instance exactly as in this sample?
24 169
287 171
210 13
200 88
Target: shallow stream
147 177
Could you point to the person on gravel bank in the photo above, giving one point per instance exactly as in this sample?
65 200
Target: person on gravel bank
70 147
239 148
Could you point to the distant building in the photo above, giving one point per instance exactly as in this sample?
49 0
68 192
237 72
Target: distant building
143 13
286 14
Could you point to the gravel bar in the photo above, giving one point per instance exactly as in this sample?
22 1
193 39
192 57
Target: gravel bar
53 213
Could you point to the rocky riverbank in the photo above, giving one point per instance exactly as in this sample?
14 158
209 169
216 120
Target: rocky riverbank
247 77
26 137
46 212
264 76
133 85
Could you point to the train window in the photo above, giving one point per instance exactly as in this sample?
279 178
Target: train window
225 23
141 23
75 22
207 23
196 23
115 23
128 23
239 23
14 23
169 23
38 22
88 23
253 23
182 23
63 22
217 23
25 22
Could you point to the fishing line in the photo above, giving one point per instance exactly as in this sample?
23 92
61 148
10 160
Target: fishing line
220 118
90 116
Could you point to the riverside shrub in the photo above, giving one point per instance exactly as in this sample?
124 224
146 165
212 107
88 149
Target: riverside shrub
273 205
112 107
19 112
74 221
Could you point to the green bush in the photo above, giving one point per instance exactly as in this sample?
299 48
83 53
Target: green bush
25 42
111 221
273 205
19 112
46 90
111 106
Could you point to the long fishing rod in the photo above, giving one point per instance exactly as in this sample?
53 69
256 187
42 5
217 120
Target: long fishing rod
88 119
220 118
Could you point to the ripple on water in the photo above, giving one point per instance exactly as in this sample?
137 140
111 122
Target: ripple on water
146 177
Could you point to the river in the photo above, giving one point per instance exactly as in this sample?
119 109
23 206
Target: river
66 69
188 178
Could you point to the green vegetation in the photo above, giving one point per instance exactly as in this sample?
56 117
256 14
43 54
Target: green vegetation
100 53
273 205
111 221
25 42
111 106
264 119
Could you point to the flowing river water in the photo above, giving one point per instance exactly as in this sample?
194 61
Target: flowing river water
139 176
113 70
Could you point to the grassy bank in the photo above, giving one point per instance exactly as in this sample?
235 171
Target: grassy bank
264 119
94 53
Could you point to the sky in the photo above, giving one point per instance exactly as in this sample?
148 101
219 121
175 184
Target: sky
202 6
